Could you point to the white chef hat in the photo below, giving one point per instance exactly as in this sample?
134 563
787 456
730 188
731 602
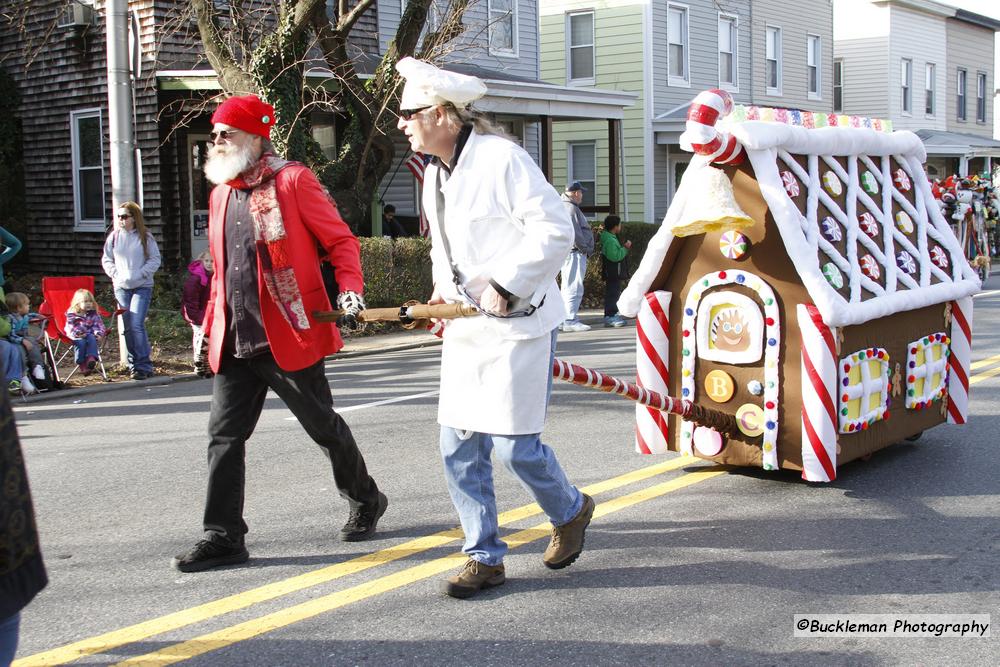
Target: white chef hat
427 85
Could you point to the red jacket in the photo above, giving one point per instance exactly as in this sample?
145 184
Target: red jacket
310 219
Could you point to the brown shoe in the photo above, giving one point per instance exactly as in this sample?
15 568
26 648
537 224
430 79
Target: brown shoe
474 577
567 539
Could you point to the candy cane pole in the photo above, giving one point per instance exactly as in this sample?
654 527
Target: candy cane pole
652 336
701 135
959 360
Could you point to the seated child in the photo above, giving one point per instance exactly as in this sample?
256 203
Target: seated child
86 328
29 343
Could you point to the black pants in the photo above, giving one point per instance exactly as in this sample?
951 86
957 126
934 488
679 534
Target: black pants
612 290
238 396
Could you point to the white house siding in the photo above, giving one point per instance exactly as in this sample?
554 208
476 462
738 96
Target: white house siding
921 38
969 46
618 48
813 17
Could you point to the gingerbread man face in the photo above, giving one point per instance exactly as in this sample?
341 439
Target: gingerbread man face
729 331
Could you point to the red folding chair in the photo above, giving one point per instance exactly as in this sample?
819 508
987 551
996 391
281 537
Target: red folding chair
57 293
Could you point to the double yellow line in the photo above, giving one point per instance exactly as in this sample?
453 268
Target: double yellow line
240 632
983 363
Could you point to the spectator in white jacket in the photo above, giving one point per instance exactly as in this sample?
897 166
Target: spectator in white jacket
131 257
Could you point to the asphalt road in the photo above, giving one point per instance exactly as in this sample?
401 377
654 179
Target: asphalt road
685 563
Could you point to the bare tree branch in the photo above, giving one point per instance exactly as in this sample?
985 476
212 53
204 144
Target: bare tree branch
231 75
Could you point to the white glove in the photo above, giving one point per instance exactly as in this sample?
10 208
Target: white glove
352 304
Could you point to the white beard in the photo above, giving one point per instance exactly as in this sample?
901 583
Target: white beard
227 162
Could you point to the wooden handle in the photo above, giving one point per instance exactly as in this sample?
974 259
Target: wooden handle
420 311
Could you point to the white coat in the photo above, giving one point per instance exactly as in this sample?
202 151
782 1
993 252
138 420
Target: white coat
505 222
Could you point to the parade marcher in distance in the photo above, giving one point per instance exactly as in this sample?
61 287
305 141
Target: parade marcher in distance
499 236
575 267
267 219
131 257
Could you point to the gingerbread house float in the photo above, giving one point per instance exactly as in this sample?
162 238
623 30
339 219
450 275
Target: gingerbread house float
805 281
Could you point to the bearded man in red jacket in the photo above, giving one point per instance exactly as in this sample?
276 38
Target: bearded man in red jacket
267 218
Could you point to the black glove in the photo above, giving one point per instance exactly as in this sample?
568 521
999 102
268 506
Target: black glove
352 304
200 349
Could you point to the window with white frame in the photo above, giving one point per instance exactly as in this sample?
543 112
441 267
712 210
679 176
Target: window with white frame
503 27
583 168
930 78
927 370
772 60
728 40
86 138
864 389
838 85
814 63
981 97
580 30
906 84
677 46
960 92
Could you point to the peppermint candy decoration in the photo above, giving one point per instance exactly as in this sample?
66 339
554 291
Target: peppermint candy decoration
833 275
870 267
904 222
791 185
734 245
902 180
869 183
830 229
939 257
832 184
868 224
905 262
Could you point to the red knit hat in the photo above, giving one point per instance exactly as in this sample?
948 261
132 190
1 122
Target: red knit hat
247 113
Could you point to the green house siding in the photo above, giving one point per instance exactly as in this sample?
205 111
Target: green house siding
619 57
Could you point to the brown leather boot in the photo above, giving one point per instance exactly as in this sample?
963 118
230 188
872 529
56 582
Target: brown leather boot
474 577
567 539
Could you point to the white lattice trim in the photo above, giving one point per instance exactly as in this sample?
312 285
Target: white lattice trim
921 367
869 385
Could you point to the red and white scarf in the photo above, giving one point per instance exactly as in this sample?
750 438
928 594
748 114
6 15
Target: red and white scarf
271 240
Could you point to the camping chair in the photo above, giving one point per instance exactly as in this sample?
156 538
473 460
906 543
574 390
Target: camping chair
58 294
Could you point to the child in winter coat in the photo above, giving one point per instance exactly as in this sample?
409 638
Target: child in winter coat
30 345
614 269
86 328
196 290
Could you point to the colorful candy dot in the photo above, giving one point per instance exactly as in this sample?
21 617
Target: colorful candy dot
770 425
771 341
741 278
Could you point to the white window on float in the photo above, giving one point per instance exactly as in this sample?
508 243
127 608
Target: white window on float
87 141
730 328
864 389
580 47
927 370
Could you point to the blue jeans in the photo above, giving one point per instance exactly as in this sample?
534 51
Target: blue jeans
85 347
10 357
136 305
8 638
571 279
468 471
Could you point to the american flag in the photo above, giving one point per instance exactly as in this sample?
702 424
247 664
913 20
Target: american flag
416 163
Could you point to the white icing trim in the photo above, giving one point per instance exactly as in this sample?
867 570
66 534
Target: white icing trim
926 370
865 389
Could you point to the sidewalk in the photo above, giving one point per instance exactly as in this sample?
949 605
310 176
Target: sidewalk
353 347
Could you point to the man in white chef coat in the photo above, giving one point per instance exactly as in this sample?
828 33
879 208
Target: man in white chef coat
499 235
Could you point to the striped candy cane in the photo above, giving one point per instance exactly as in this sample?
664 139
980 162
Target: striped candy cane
652 339
701 136
959 360
819 385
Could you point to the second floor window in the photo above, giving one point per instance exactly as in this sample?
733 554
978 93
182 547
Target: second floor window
772 61
929 86
677 46
581 46
86 137
814 56
981 97
838 85
728 52
960 93
503 27
906 84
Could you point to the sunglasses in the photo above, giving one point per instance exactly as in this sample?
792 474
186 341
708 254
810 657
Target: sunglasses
222 134
408 114
124 216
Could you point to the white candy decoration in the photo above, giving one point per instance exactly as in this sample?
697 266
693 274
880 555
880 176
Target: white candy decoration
904 222
939 257
905 262
870 267
833 275
830 229
868 224
959 360
902 180
791 185
734 245
868 183
652 338
706 441
819 391
832 184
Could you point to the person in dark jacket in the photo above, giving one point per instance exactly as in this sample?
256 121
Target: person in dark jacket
614 269
22 572
196 290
